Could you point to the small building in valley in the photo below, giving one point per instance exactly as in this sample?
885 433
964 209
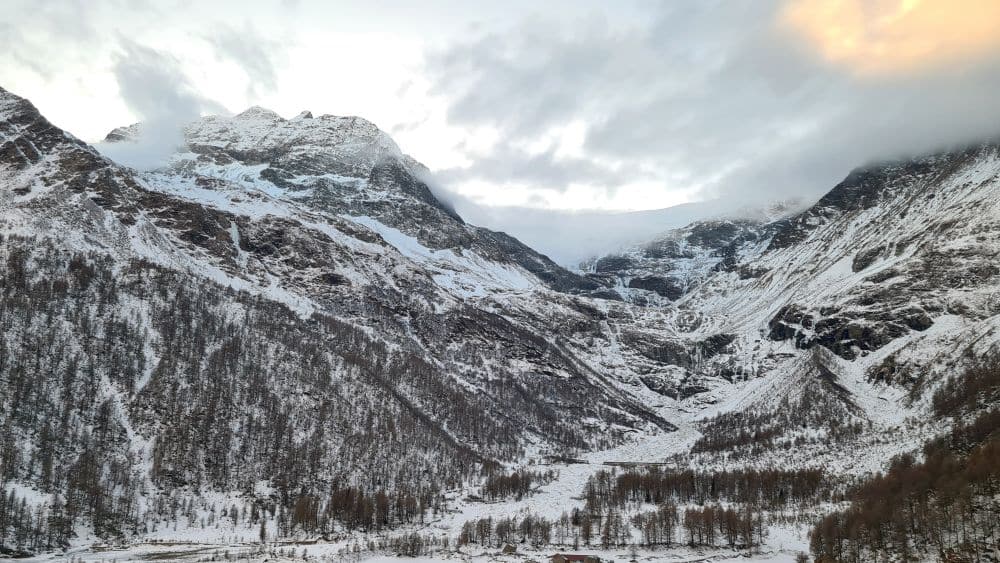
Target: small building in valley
575 558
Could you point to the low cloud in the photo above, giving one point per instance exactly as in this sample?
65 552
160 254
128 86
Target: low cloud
544 170
570 237
155 89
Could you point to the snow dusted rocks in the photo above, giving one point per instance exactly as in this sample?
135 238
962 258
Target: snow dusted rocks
872 263
666 268
337 166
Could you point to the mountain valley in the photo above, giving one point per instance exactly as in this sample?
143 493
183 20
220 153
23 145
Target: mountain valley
282 339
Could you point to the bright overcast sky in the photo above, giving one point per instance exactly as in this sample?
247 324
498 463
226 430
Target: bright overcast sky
553 105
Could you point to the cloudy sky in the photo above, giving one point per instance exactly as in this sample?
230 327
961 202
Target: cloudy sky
558 105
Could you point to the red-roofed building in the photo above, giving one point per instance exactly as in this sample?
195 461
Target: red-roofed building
575 558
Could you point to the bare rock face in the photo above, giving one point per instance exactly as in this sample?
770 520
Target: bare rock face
662 286
666 268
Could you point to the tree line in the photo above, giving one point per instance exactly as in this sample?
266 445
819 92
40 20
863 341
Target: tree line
27 528
945 506
714 526
667 525
354 509
765 488
707 526
516 485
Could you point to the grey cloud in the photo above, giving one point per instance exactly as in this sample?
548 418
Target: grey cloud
535 77
12 43
410 125
155 89
710 95
544 170
39 36
257 55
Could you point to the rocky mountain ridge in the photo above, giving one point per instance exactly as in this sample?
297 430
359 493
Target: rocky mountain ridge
338 166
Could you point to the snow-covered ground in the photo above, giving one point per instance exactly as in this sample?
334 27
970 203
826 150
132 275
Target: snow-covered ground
343 552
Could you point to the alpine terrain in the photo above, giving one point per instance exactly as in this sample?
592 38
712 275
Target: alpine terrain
281 344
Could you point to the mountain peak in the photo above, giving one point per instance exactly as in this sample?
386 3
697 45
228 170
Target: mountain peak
12 106
124 133
258 112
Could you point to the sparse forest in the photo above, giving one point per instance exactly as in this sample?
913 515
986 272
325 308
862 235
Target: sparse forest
515 485
665 526
820 405
944 506
660 507
758 489
114 380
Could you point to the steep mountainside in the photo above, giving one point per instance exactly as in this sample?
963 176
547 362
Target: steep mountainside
337 166
666 268
204 328
887 254
894 262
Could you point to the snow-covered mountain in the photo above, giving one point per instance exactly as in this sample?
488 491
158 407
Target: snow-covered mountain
304 321
284 311
336 166
883 262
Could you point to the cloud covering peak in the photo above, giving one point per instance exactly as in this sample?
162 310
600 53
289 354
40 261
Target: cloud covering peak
155 89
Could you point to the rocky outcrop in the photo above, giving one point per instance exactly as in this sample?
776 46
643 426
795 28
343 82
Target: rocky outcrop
665 287
673 263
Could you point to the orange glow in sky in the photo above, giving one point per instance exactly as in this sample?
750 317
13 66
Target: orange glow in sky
887 36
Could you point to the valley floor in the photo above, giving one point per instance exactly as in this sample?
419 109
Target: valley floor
783 545
222 541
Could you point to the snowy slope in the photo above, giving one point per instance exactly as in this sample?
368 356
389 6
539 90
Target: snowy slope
876 293
411 331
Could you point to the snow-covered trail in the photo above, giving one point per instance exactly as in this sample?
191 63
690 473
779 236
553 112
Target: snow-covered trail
566 491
